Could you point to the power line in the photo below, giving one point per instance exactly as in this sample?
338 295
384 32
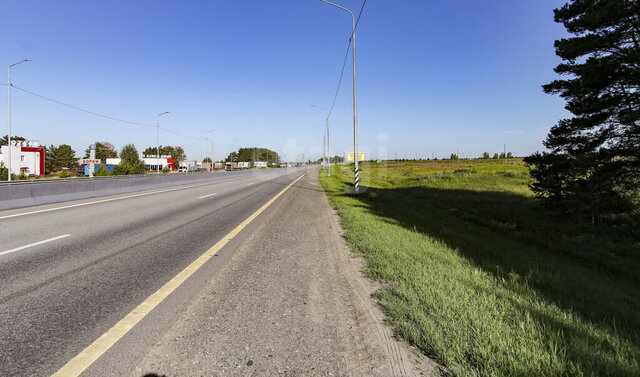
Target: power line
82 110
103 115
346 55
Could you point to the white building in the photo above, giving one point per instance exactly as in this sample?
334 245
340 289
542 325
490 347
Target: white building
150 163
26 156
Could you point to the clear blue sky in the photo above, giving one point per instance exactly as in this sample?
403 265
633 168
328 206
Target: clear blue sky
434 76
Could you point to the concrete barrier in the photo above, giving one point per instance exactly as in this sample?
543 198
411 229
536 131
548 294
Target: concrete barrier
18 195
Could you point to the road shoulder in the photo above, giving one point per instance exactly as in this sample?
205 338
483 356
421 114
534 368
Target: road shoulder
291 301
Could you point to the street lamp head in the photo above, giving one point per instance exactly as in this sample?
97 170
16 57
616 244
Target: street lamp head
166 112
20 62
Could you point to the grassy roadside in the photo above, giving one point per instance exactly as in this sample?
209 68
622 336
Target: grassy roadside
486 281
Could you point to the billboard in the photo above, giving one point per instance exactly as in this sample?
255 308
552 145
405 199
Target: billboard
360 156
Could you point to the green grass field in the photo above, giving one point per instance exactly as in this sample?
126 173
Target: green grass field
485 280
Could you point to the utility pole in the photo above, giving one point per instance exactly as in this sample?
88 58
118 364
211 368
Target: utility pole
326 149
213 164
9 116
505 153
158 142
356 172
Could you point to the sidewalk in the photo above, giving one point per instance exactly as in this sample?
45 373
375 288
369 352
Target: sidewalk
291 302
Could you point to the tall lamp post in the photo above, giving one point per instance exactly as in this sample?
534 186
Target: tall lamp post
9 115
327 148
158 142
356 173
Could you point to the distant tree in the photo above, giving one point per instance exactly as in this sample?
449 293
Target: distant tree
206 159
150 152
164 150
129 154
502 156
495 156
486 156
5 138
509 155
254 154
130 161
453 156
50 159
65 156
178 155
593 160
104 150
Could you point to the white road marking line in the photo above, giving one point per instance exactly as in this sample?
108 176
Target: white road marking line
206 196
118 198
249 184
33 244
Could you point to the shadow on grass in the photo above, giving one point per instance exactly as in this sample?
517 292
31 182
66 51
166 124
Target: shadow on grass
592 272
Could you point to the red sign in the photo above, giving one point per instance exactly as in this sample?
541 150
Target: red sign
89 161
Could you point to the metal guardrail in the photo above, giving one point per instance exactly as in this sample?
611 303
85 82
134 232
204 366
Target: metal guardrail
81 179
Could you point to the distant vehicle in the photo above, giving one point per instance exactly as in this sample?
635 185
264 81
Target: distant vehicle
229 166
188 166
244 165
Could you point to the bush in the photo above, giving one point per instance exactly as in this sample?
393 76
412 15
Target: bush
4 172
21 176
166 170
102 171
64 173
126 169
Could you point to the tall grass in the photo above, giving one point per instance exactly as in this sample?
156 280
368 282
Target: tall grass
485 280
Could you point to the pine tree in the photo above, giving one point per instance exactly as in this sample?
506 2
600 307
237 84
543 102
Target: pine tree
593 159
65 156
50 159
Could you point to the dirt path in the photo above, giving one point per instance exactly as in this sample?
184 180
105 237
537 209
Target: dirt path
291 302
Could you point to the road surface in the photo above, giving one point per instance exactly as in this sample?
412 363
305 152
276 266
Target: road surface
72 272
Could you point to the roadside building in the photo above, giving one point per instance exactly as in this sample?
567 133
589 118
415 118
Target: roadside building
150 163
26 156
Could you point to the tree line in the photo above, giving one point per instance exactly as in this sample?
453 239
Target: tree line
62 157
254 154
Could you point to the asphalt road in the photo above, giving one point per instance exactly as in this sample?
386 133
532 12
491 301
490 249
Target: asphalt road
70 271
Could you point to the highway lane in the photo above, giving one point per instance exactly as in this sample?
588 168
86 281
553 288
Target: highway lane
59 296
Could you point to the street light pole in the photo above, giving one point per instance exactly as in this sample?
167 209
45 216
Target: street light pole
356 173
327 147
9 116
158 142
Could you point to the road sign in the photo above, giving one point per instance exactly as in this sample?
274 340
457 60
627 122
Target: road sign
360 156
90 161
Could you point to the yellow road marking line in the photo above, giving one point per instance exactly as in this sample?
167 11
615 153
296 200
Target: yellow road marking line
89 355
